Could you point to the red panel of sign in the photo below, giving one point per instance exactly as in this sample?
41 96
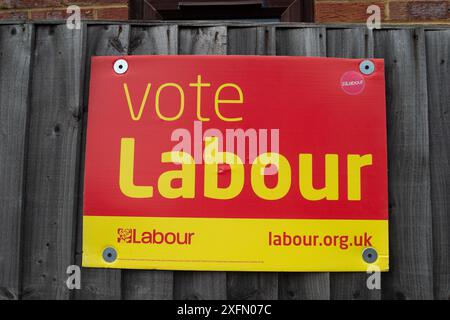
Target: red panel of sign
288 138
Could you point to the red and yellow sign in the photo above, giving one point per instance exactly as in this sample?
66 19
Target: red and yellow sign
236 163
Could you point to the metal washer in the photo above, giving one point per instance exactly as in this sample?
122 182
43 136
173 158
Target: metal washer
367 67
109 255
120 66
370 255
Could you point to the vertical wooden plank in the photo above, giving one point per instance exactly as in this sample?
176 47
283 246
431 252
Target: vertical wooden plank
203 40
438 69
147 285
252 285
350 43
143 284
154 40
302 42
15 56
304 286
201 285
102 40
411 273
251 41
53 155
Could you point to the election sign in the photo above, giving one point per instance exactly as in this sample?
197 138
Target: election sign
238 163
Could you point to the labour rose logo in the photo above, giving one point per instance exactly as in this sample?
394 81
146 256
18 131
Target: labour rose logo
124 235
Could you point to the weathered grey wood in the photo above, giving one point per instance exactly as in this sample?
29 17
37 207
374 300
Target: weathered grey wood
201 285
302 42
204 40
101 41
438 70
53 156
411 273
147 285
232 23
251 285
251 41
352 286
99 284
43 197
139 284
350 43
154 40
304 286
15 56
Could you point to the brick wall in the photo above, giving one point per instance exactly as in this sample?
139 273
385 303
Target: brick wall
392 11
332 11
56 9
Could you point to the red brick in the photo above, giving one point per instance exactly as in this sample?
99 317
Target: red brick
56 14
94 3
418 10
13 15
56 9
344 11
19 4
32 3
112 14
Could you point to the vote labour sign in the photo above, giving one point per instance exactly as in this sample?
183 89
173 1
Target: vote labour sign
236 163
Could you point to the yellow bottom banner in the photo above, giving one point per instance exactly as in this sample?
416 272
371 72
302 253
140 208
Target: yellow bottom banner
235 244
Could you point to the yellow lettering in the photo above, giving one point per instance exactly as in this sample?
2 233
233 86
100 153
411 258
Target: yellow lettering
130 105
218 101
354 164
211 174
186 175
284 176
126 179
199 86
331 189
157 98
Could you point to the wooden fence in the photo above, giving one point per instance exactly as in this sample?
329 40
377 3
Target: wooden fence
44 77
